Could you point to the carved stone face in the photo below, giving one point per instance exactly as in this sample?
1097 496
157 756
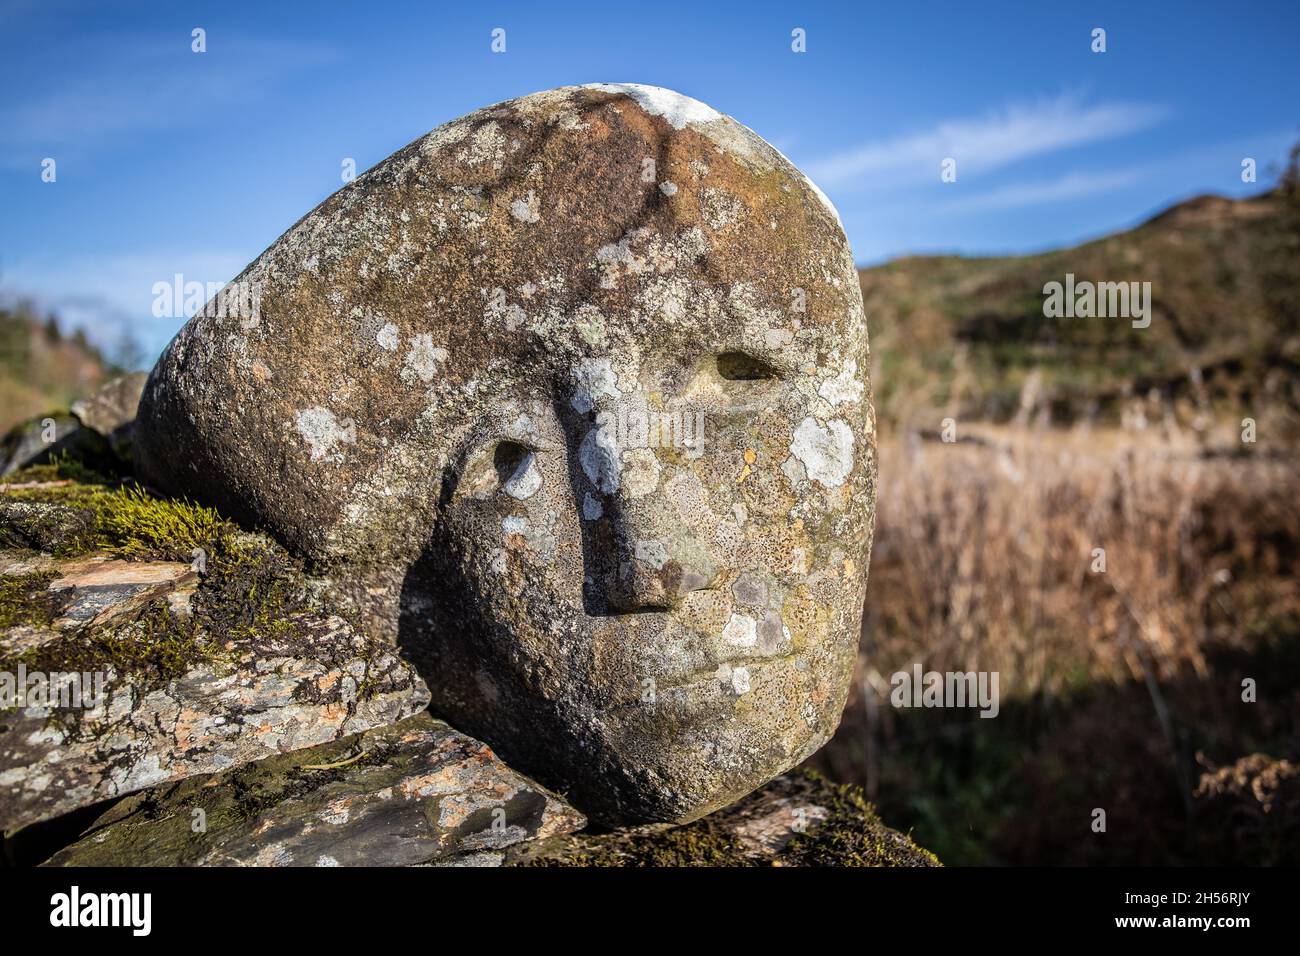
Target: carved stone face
662 550
601 452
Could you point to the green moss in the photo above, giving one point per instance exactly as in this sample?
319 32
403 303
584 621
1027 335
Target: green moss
128 521
70 494
61 467
159 643
89 461
135 524
251 589
155 643
851 835
68 468
32 473
702 843
41 526
23 600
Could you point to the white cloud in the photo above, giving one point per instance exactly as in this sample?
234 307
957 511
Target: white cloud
981 144
1061 189
1210 168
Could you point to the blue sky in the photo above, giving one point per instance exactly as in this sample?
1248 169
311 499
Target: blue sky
172 161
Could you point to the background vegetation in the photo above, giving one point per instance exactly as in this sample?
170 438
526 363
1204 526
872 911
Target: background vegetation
1120 690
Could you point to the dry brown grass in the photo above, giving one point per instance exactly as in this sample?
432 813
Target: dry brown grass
1110 682
984 558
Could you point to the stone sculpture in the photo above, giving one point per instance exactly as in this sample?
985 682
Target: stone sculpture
570 397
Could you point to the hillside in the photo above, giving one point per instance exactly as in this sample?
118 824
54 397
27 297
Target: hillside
41 370
967 337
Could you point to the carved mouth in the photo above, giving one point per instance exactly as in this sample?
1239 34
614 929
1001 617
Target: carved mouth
667 606
723 670
702 678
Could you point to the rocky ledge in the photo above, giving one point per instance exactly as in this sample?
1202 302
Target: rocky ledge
800 819
416 792
115 683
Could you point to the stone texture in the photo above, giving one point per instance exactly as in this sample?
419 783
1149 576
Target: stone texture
95 590
414 793
308 680
43 526
571 393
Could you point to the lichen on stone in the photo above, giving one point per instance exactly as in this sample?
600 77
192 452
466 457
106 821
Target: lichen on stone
568 259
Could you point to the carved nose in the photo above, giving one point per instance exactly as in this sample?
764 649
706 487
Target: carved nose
650 573
643 536
645 581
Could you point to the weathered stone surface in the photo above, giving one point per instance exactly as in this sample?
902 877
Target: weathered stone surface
309 679
414 793
800 819
111 410
42 526
572 393
13 564
95 590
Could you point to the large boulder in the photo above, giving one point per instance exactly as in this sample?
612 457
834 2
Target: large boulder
572 394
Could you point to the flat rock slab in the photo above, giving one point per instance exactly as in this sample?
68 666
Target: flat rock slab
415 793
800 819
309 680
96 590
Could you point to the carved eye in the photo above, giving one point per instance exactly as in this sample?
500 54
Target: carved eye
510 459
508 466
742 367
